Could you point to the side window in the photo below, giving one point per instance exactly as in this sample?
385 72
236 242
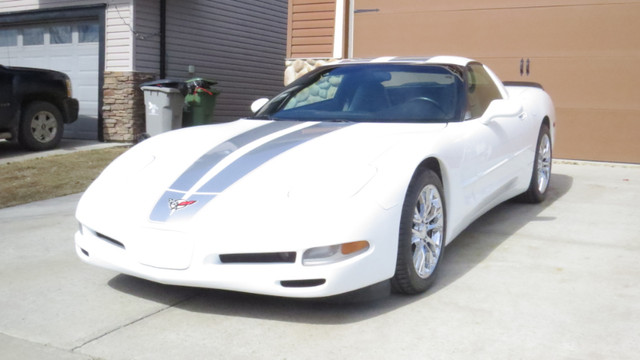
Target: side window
481 91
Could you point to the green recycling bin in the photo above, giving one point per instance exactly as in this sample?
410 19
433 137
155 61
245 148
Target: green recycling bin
199 102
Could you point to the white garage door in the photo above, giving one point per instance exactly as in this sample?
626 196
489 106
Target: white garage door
70 47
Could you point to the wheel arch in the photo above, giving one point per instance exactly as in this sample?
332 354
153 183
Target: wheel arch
546 120
433 164
436 165
30 98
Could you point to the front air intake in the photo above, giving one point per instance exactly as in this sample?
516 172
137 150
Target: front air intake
302 283
259 258
110 240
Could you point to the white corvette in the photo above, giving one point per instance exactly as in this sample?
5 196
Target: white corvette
359 172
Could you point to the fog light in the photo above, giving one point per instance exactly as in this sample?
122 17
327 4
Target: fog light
330 254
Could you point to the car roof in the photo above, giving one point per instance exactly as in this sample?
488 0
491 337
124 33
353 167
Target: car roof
442 59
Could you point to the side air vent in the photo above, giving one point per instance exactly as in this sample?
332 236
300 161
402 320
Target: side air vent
111 241
277 257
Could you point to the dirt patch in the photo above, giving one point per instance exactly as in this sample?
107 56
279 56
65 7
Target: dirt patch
52 176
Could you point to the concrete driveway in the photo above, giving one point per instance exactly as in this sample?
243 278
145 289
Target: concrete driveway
559 280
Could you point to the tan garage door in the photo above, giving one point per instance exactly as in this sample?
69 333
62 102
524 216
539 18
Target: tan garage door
585 53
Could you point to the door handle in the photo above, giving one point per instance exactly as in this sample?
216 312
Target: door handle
521 66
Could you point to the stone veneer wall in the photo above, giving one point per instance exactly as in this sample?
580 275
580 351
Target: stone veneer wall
294 68
123 105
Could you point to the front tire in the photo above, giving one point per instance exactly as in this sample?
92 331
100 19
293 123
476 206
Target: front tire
41 126
541 175
421 239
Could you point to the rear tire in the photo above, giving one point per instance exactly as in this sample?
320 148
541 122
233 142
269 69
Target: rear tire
41 126
421 239
541 174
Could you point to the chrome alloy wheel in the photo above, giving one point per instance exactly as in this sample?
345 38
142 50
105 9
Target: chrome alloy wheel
427 232
44 126
543 166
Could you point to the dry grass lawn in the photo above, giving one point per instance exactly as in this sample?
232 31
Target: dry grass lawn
43 178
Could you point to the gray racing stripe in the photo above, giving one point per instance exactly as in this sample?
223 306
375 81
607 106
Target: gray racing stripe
236 170
215 155
162 211
260 155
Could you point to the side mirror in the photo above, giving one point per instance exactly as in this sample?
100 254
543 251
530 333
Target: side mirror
501 108
258 104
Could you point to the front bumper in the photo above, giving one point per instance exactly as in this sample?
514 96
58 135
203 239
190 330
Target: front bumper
71 108
204 269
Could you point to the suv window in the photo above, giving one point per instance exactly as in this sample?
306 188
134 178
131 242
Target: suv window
481 91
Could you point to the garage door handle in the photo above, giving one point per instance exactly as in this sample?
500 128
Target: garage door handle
521 66
528 63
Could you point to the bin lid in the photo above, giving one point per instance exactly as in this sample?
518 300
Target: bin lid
165 90
175 84
200 82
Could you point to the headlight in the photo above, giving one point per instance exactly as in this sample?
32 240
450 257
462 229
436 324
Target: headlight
330 254
69 88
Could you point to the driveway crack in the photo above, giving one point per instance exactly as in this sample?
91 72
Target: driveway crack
124 326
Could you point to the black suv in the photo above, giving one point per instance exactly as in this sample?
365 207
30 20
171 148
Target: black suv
34 106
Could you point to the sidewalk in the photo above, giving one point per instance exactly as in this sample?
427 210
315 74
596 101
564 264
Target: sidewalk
12 152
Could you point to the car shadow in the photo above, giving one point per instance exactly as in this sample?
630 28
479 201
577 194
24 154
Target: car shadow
469 249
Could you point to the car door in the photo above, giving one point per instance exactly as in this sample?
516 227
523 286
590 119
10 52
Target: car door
489 165
6 81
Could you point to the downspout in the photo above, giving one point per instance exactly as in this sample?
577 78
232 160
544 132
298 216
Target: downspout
338 31
350 31
163 33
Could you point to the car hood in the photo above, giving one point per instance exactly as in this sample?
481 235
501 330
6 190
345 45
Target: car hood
35 72
242 169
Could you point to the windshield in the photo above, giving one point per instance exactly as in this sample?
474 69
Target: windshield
372 93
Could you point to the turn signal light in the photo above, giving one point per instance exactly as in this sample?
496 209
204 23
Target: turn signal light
352 247
334 253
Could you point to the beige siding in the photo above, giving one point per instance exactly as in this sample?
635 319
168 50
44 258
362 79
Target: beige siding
311 28
119 39
119 44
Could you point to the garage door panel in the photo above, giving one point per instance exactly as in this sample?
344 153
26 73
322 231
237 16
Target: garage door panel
604 31
600 134
62 63
585 53
593 83
469 5
86 64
